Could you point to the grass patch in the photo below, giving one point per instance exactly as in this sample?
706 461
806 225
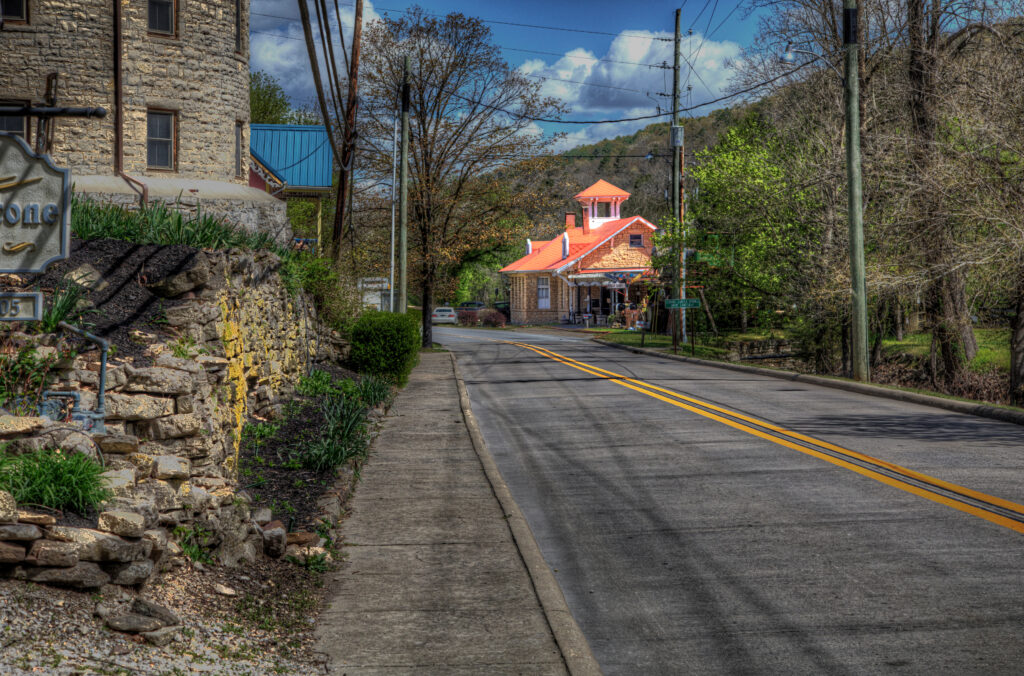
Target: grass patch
194 542
993 348
160 224
54 479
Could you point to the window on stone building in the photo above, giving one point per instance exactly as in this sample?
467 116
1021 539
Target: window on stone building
238 26
161 16
15 125
636 241
238 148
543 293
14 10
160 133
604 210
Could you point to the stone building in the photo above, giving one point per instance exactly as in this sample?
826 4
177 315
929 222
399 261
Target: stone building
174 78
586 271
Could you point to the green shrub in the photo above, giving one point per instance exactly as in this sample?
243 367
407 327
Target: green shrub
63 306
334 296
195 543
385 343
54 479
344 434
317 384
23 378
374 390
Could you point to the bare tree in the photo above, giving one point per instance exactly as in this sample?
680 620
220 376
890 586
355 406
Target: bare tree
471 116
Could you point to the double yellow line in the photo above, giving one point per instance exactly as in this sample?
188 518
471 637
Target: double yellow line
996 510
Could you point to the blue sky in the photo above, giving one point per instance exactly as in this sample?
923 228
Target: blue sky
609 73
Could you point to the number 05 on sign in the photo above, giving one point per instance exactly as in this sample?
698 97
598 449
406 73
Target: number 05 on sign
21 307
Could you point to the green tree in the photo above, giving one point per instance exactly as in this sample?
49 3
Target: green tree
268 104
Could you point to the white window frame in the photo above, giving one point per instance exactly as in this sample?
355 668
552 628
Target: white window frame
544 293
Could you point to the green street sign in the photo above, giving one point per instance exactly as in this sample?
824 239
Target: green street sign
682 303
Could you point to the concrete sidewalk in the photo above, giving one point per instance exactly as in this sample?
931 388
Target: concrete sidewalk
434 581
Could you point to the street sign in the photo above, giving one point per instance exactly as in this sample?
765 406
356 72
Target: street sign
21 307
35 209
682 303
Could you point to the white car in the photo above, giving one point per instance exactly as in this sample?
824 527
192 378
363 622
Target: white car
444 315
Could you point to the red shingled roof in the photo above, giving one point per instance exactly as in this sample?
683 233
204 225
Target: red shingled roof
548 255
603 189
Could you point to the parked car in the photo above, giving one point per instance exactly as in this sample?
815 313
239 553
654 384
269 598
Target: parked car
444 315
472 305
504 307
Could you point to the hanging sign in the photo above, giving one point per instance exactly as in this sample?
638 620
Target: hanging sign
35 209
682 303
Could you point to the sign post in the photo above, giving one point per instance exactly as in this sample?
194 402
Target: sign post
682 303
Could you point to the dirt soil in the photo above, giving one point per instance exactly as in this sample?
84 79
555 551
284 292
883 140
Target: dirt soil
125 303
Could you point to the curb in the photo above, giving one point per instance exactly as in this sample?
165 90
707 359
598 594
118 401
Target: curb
571 642
980 410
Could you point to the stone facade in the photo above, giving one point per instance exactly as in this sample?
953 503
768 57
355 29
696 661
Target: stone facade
174 429
196 73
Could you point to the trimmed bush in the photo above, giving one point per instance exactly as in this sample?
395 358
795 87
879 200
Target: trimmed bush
467 317
54 479
492 318
385 344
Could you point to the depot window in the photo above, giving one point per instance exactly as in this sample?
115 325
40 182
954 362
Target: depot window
15 125
14 10
636 241
543 293
162 16
161 128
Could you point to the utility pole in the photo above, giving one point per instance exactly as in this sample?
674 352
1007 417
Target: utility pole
855 204
394 176
403 197
676 189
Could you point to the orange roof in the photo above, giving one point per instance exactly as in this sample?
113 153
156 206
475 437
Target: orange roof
603 189
548 255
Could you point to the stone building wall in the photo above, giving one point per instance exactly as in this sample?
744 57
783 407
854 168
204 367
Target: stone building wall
523 304
197 73
617 253
174 429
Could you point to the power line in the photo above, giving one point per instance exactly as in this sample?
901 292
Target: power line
585 58
586 84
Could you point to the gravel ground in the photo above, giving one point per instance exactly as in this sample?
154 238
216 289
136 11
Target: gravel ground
265 629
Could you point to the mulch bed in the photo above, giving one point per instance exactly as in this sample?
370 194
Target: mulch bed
125 303
290 491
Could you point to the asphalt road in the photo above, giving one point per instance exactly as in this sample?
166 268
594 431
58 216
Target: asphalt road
690 539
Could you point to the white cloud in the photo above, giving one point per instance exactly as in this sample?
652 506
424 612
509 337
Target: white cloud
277 45
615 86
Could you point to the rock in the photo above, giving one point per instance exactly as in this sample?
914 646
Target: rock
185 404
196 498
11 553
275 539
162 636
175 426
88 276
171 467
132 623
110 608
183 282
143 463
211 363
167 360
120 481
52 553
36 519
149 608
157 380
137 407
11 425
126 524
132 573
262 516
301 538
94 545
117 443
165 496
84 575
141 504
20 531
223 590
158 536
8 508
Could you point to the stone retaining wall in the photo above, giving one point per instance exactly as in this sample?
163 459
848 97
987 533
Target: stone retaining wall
173 428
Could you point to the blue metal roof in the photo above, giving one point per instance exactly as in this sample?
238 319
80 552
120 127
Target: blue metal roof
299 154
